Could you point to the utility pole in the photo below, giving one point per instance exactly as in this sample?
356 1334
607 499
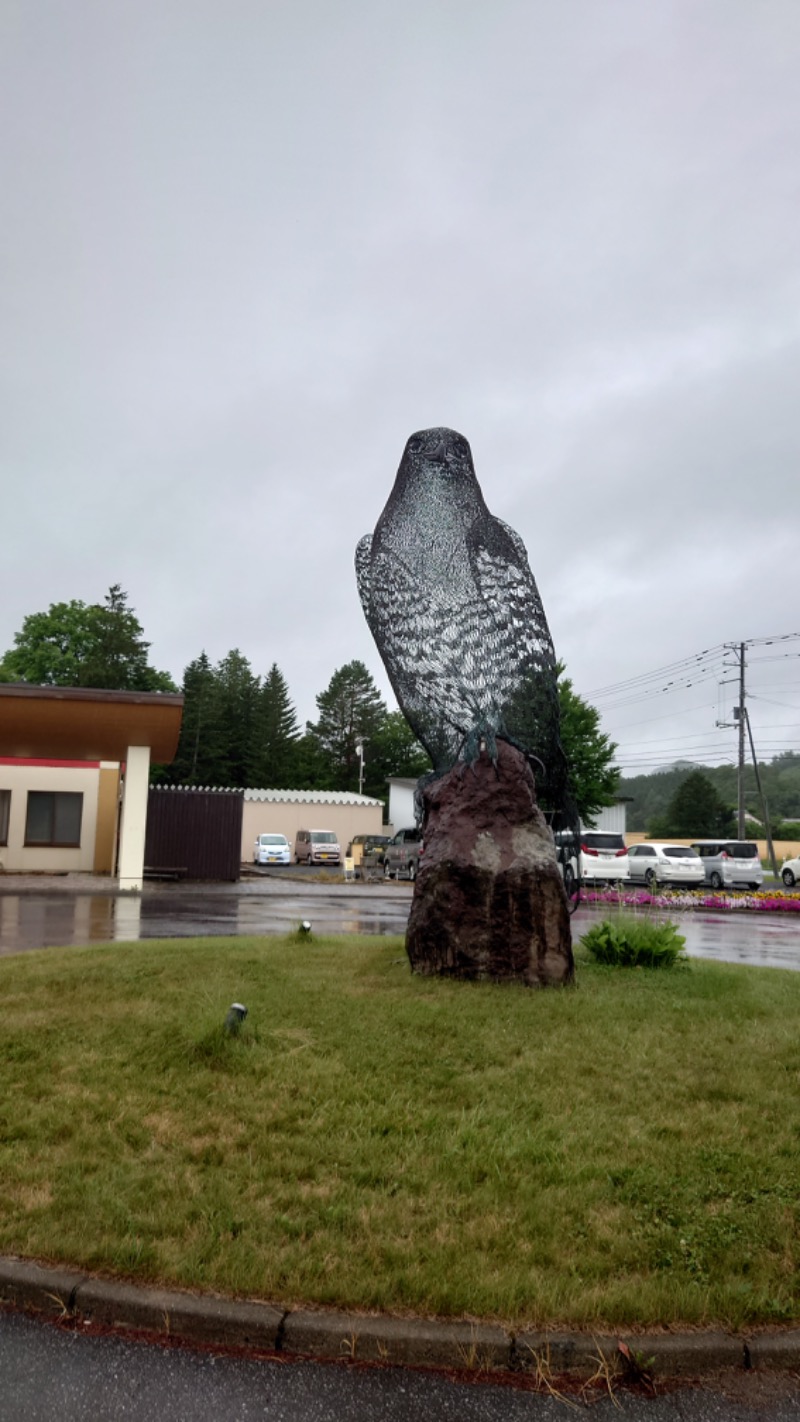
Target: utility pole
764 810
740 713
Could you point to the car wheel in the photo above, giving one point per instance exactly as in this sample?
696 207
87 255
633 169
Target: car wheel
569 880
788 878
715 880
387 873
650 879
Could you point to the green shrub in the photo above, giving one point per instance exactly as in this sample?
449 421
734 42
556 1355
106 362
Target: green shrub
631 942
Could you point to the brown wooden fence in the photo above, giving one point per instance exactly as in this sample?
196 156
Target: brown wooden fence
193 834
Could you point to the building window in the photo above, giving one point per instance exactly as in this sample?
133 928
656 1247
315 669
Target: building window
54 818
5 807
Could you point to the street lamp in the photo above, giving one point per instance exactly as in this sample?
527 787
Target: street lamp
360 754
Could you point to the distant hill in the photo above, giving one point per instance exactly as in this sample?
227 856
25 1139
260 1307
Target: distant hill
650 794
678 765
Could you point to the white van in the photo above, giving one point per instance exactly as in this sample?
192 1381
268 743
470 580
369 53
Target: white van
728 862
603 858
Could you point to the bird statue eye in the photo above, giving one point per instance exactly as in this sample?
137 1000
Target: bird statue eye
414 446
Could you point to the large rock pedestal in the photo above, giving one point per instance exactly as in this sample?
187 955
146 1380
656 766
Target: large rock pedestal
488 899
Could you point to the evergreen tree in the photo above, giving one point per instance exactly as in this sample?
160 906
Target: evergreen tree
101 645
311 768
351 709
695 810
276 734
238 691
202 757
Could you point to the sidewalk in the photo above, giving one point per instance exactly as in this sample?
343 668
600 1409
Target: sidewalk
63 1293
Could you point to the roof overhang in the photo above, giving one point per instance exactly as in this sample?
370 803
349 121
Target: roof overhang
80 723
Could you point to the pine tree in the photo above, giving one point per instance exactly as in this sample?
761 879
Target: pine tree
202 757
276 734
695 810
238 691
351 709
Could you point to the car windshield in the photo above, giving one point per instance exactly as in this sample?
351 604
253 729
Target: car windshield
323 837
739 850
680 851
273 839
604 841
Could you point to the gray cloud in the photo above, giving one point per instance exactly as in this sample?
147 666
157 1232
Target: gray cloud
248 249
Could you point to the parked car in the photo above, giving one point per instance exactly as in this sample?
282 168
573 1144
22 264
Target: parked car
730 861
317 847
367 851
604 857
272 849
653 864
401 855
790 872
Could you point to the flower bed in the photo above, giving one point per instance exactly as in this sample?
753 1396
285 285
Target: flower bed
765 900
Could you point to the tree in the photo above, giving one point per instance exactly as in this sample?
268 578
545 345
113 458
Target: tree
100 645
351 709
238 692
201 758
695 810
393 750
589 751
276 734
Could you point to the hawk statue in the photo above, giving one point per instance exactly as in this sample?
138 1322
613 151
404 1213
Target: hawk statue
451 602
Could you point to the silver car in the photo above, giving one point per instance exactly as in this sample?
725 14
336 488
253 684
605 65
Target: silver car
730 861
654 864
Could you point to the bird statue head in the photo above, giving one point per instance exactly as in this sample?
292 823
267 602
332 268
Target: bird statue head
436 470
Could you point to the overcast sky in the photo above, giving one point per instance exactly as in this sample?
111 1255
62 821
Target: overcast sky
248 248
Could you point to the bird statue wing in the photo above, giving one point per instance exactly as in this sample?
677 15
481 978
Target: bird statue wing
421 649
363 581
513 613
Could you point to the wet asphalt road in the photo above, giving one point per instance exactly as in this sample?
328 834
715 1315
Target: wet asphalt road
49 1372
54 915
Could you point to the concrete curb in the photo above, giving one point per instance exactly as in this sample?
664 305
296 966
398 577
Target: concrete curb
305 1333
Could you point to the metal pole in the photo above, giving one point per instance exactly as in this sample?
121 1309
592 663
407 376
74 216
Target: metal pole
767 830
740 776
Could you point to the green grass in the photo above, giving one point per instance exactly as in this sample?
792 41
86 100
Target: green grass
624 1152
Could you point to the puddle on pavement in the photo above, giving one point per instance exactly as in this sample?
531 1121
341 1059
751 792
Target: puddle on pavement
49 920
44 921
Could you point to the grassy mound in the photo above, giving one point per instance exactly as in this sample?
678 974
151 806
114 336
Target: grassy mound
624 1152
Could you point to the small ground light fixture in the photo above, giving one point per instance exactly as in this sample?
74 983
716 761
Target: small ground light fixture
234 1018
305 926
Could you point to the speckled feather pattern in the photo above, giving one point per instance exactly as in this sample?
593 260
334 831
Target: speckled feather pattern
456 615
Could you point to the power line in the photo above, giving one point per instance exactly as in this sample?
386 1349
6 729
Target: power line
685 662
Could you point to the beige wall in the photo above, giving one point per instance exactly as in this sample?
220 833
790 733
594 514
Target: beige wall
19 779
105 847
289 816
784 848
